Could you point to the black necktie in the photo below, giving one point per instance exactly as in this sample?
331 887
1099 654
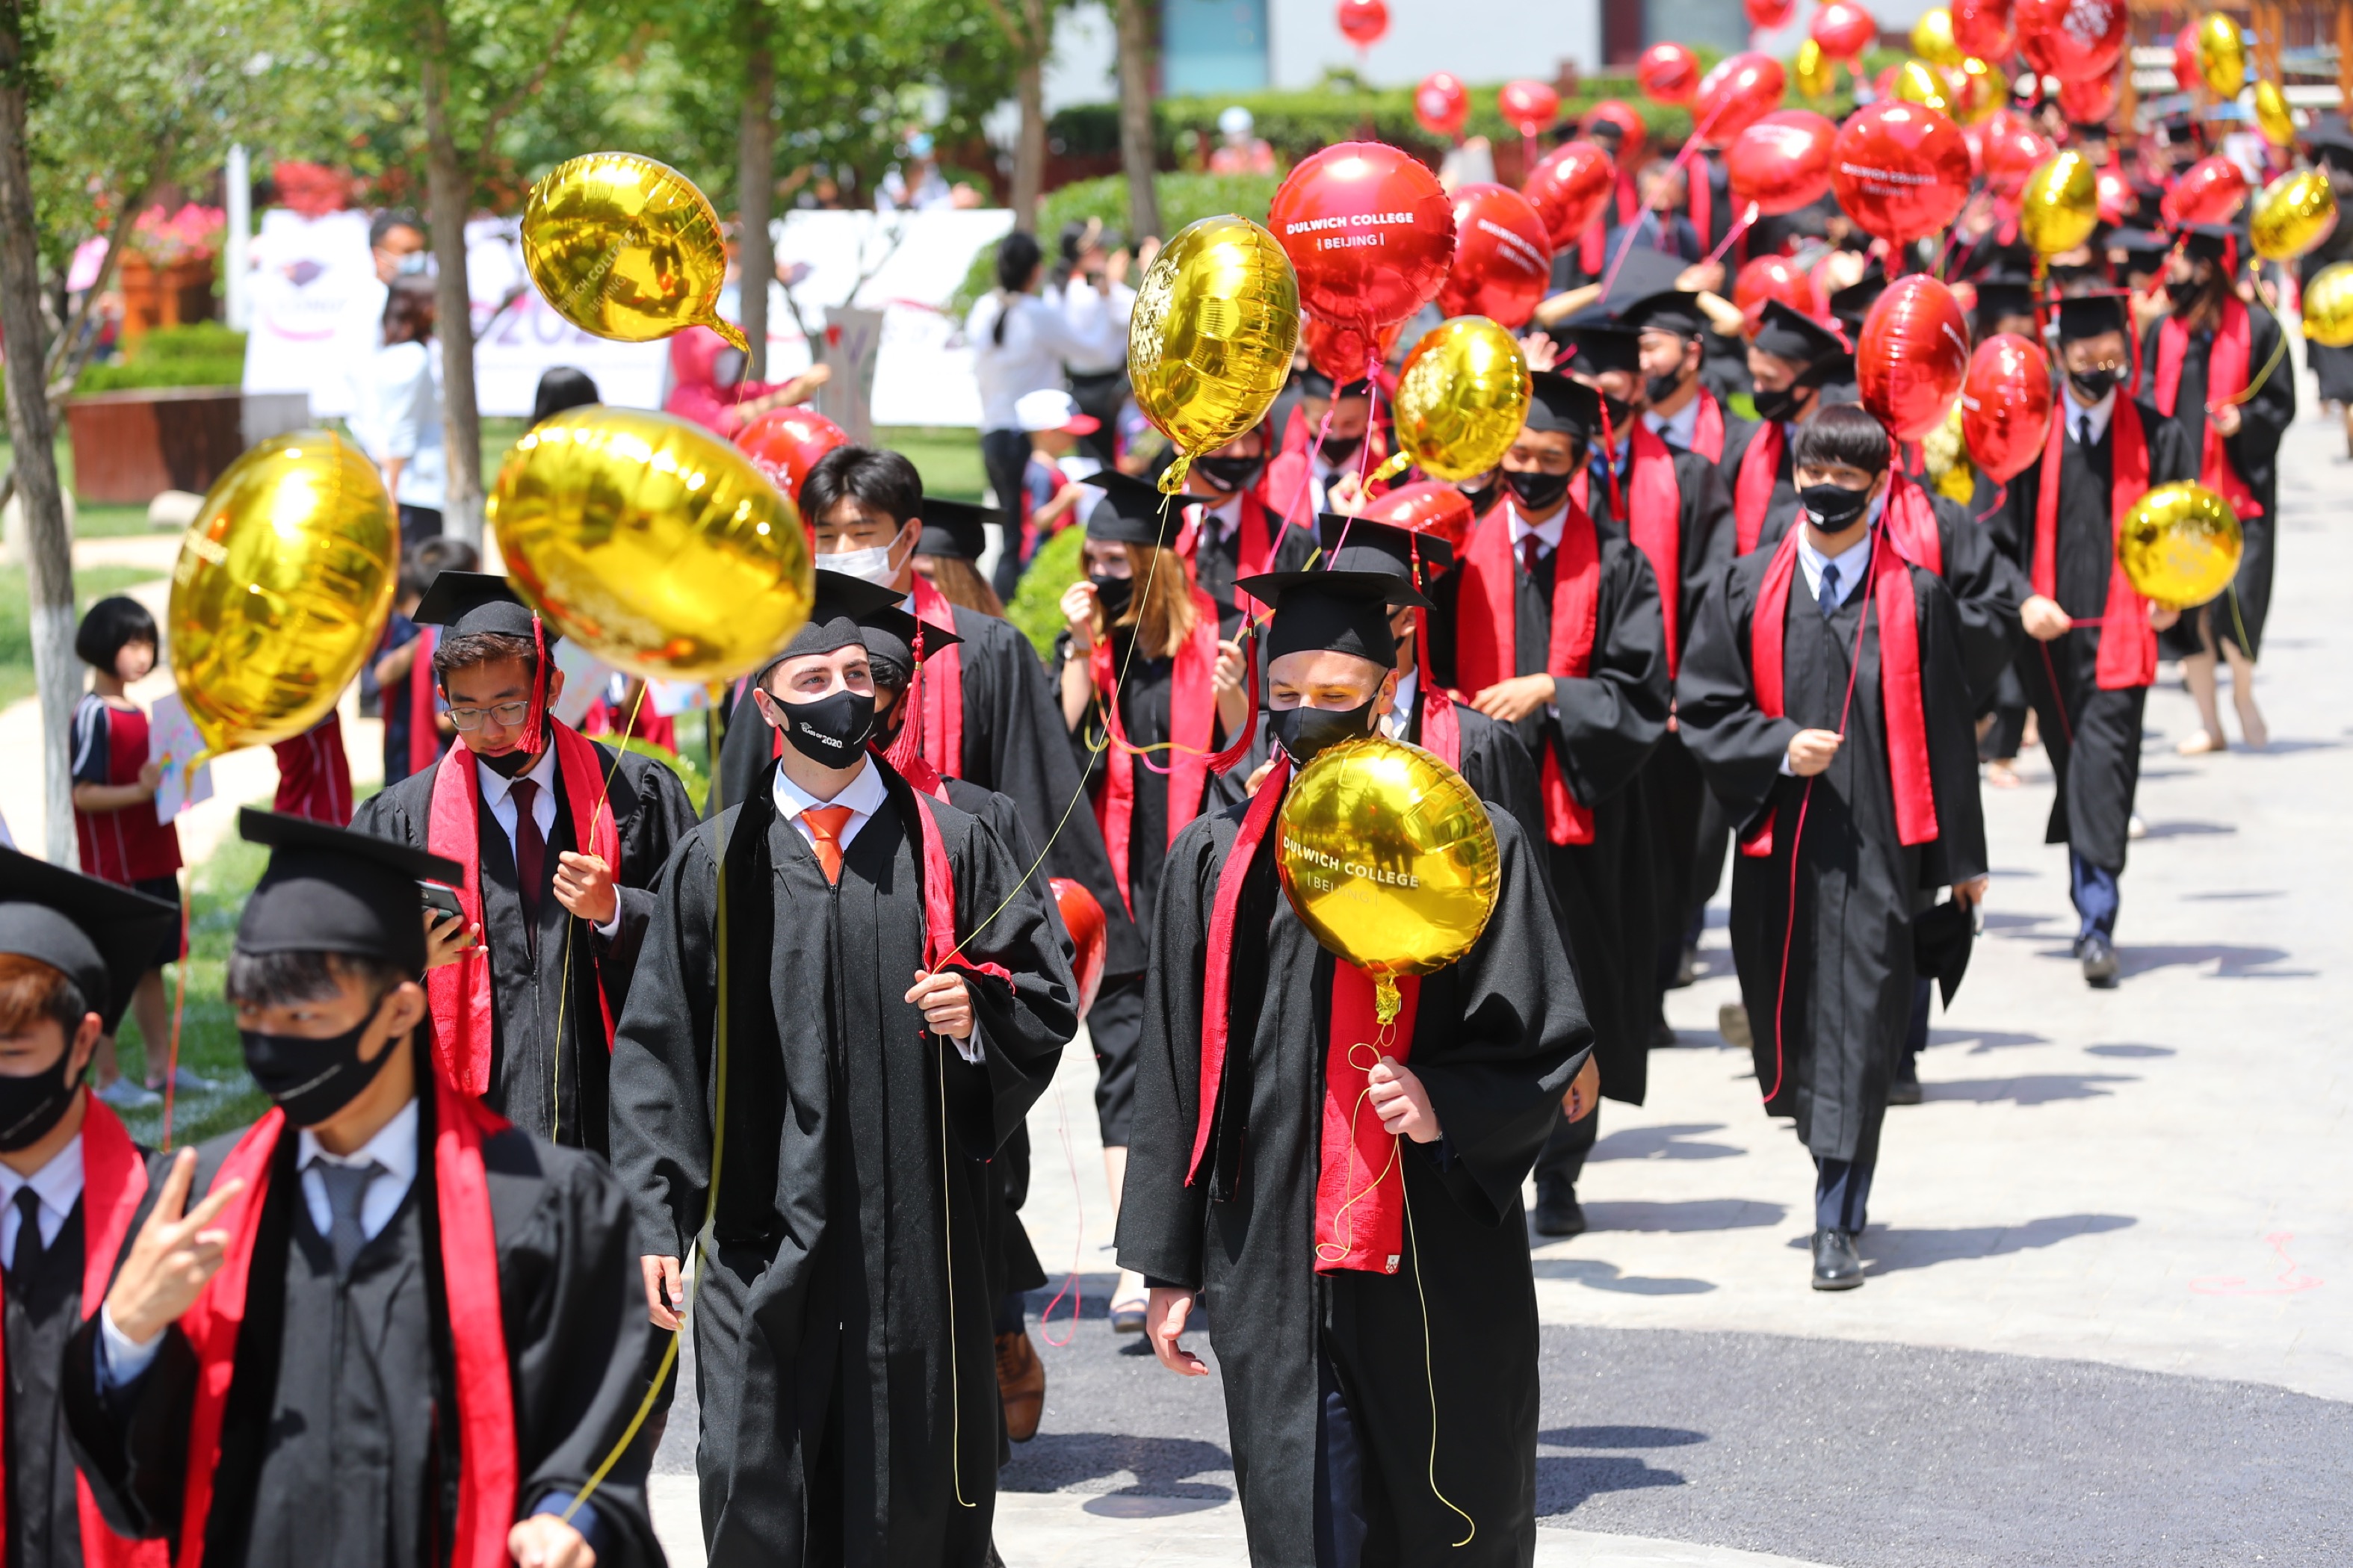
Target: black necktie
1828 596
347 1188
531 851
28 1249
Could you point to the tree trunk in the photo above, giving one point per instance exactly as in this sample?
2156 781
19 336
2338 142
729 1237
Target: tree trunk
1030 91
48 548
449 194
1137 154
756 189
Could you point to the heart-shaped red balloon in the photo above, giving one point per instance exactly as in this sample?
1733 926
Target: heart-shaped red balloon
1528 107
1843 30
1741 91
1342 351
1900 169
2013 151
1913 356
1428 506
786 443
1981 27
1442 103
1783 162
2212 190
1568 188
2089 102
1503 258
1764 278
1768 13
1082 917
1633 135
2072 39
1668 73
1368 231
1364 21
2006 405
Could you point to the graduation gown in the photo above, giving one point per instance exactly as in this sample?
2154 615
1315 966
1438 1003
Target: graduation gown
843 1328
1496 1039
545 1078
339 1440
1850 970
1783 508
1217 563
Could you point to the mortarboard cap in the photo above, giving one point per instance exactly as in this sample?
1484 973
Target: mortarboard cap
334 890
1362 545
471 602
889 638
2331 142
953 529
1786 334
2216 242
1603 345
839 604
2137 242
1853 302
1556 402
1665 311
99 936
1339 612
2089 315
1131 512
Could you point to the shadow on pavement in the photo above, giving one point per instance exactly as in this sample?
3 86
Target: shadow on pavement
1163 1466
2188 829
2027 1089
2231 962
1981 1040
1896 1249
1596 1275
1563 1484
2129 1050
1669 1142
1699 1213
1621 1436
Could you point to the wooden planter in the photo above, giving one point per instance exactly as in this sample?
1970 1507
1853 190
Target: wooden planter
170 296
130 446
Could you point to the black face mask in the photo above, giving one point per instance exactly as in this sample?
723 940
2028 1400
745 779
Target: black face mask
1230 474
1112 596
313 1079
30 1107
509 764
1483 497
2094 384
1338 449
2185 295
1658 388
1303 730
1538 492
1775 407
1834 508
832 729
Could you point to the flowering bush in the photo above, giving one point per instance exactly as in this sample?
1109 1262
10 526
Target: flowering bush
191 233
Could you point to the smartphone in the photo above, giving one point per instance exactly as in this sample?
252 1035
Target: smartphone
441 901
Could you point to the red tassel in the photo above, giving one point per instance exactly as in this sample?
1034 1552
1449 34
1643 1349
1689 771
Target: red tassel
535 734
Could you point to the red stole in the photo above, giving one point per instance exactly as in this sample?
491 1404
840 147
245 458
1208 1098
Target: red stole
1752 489
1654 523
1192 719
1911 522
113 1181
2128 654
941 679
1707 430
2226 378
1485 646
461 992
1442 727
476 1316
1899 683
424 737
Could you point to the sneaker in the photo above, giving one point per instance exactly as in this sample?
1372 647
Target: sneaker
185 1082
124 1095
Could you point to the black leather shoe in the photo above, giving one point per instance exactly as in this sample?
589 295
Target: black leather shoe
1558 1214
1905 1088
2099 956
1836 1267
1686 969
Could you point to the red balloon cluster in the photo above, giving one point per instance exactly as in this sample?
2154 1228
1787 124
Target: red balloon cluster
1768 13
1568 188
1442 103
2006 405
1364 21
2012 149
786 443
1427 507
1741 91
1368 231
1913 356
1668 73
1779 277
1900 169
1082 917
1343 352
1843 30
2212 190
1981 27
1503 257
1528 107
2072 39
1783 162
2091 99
1632 134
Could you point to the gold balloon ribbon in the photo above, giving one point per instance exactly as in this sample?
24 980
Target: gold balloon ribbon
1430 1367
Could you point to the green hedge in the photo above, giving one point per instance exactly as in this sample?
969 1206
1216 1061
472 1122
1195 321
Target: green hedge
1037 607
203 353
1184 198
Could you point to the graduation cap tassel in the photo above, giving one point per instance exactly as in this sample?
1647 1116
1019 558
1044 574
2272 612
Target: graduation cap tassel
535 734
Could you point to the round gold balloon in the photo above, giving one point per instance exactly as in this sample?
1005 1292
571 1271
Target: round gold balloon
1917 81
2221 55
2272 117
2329 307
282 589
1932 37
1388 857
625 247
2180 546
652 543
1815 72
1976 88
1461 398
1209 343
2294 212
2059 205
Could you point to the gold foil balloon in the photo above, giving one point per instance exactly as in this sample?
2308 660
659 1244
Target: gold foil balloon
1932 37
282 589
2272 117
1461 398
2329 307
2180 546
1815 72
1917 81
1976 88
625 247
1209 343
652 543
2060 203
2221 55
1388 857
2294 212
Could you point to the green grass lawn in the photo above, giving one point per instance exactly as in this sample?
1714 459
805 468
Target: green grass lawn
948 458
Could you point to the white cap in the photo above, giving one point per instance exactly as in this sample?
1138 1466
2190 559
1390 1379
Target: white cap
1051 408
1236 121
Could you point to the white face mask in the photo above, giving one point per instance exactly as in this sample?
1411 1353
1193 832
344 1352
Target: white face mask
872 565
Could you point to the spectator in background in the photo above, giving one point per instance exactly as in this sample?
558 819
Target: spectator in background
915 183
397 407
707 385
1660 225
624 710
1050 479
1241 150
562 387
1089 284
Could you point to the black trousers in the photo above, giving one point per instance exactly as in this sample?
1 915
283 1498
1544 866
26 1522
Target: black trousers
1005 454
1115 1027
1562 1160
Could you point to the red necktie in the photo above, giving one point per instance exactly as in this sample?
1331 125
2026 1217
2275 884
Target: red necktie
531 851
1532 554
825 825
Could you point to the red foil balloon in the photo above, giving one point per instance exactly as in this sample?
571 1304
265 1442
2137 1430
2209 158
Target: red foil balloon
1369 232
2187 77
1633 134
1528 107
1082 917
1429 506
1442 103
2006 405
1783 162
1843 30
1779 277
1768 13
1913 356
2115 196
2212 190
1364 21
1342 351
1981 27
786 443
2013 151
1668 73
2089 102
2072 39
1900 169
1568 188
1503 257
1741 91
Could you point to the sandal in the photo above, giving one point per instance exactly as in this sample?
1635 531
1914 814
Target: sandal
1128 1301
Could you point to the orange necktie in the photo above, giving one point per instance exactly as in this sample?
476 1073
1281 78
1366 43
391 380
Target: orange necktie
825 825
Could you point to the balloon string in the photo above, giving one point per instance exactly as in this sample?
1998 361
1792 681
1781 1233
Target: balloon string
1732 234
564 972
1334 1251
1429 1362
179 1005
1072 1286
1307 468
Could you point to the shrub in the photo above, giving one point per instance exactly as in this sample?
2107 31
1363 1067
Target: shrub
203 353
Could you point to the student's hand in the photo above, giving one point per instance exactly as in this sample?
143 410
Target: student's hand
1164 1318
583 885
1540 350
1078 613
1345 495
1972 892
665 1291
1701 276
2225 420
2043 619
447 938
173 1256
1513 701
1810 752
1402 1103
2161 617
1231 669
545 1540
150 777
1584 1095
947 1003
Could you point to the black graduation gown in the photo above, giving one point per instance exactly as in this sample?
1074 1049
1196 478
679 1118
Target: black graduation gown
1987 586
2093 736
44 1309
1849 959
545 1080
1495 764
339 1442
843 1326
1782 509
2239 613
1496 1039
1609 723
1217 563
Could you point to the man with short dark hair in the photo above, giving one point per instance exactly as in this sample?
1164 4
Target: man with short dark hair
1792 360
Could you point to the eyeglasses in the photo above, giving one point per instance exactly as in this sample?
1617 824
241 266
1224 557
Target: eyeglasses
507 713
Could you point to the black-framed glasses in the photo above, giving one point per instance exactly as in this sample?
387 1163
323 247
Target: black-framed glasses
506 713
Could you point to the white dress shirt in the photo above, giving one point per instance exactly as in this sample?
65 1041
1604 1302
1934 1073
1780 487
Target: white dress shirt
1677 430
498 794
58 1184
1400 714
1548 530
1039 340
2095 414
